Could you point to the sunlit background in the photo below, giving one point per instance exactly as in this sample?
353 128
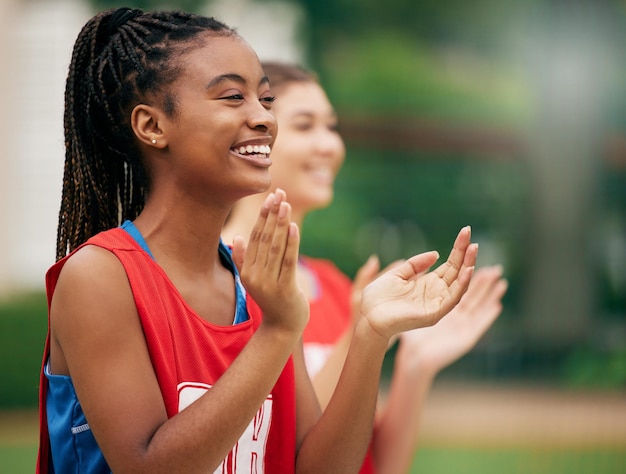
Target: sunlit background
506 115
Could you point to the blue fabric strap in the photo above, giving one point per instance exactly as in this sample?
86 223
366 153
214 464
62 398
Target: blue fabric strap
241 311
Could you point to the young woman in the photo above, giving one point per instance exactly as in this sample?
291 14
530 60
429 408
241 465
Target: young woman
306 158
158 358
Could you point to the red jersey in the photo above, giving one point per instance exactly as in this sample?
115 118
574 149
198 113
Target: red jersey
330 317
190 354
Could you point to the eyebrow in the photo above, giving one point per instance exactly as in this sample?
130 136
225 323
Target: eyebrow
308 114
234 78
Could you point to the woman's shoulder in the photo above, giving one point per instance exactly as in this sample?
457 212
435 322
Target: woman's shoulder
91 267
95 256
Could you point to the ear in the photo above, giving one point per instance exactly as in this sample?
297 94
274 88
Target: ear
146 122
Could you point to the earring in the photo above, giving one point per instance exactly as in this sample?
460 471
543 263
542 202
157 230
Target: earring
153 141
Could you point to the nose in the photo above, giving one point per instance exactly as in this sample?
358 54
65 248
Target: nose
329 143
262 119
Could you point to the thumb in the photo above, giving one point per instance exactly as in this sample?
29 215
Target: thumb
416 264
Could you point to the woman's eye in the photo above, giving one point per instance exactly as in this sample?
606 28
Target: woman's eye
233 97
268 99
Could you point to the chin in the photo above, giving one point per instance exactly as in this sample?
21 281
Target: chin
320 201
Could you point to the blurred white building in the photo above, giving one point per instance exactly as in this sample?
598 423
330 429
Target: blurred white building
36 39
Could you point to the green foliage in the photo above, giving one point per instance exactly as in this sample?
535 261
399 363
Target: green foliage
23 327
588 367
427 198
393 73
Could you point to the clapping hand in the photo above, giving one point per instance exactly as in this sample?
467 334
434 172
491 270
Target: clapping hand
267 264
406 298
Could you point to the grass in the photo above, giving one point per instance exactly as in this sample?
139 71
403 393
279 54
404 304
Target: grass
19 432
443 460
17 459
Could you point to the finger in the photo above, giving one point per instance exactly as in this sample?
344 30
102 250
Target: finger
416 265
366 273
497 291
489 311
458 287
290 259
266 244
257 230
480 286
450 269
392 265
278 244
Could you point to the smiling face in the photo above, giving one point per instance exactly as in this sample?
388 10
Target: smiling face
218 138
309 151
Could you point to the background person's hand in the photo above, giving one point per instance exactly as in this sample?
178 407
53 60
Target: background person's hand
438 346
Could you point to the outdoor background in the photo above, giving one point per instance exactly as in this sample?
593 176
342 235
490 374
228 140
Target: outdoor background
508 115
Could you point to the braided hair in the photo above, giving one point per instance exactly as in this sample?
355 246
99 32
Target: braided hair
121 57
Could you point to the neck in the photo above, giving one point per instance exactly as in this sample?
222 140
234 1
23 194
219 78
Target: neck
183 233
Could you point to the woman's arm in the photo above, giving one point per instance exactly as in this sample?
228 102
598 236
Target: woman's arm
326 379
403 298
422 354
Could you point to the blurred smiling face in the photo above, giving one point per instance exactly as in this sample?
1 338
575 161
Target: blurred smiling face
308 151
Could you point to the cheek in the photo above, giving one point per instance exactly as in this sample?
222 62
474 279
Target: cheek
284 166
340 155
288 152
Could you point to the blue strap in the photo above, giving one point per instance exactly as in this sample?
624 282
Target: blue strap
129 227
241 310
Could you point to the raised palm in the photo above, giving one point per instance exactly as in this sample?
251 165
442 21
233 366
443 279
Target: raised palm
406 298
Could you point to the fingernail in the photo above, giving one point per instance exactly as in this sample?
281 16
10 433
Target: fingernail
279 195
282 210
268 200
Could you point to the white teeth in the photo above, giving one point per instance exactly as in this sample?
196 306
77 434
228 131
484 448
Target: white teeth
262 149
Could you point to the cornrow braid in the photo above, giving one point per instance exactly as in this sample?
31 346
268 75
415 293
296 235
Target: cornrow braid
120 58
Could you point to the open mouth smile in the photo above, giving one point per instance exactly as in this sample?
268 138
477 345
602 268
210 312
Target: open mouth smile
256 153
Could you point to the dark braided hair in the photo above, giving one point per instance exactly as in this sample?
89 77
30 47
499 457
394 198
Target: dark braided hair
121 58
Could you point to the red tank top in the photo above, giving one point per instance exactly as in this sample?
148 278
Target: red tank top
189 355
